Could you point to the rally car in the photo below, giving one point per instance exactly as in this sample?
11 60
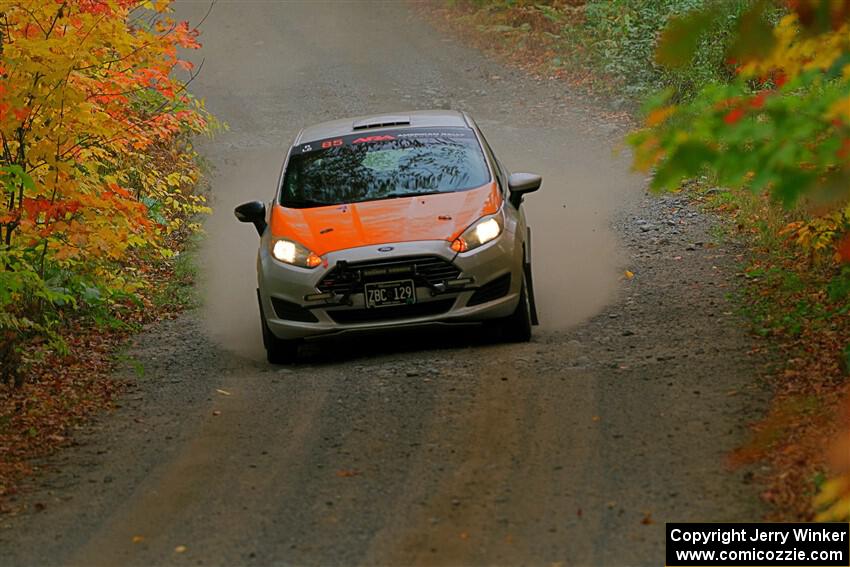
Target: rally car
392 221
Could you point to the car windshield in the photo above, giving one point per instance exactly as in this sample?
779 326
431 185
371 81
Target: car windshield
386 165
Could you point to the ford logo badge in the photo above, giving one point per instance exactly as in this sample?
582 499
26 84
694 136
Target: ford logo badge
386 249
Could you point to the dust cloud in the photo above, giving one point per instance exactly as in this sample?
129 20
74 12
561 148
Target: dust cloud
575 254
228 260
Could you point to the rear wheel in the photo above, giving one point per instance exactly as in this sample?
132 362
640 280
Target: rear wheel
278 351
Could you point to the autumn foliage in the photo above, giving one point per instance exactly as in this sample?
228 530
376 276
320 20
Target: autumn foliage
779 131
96 167
783 124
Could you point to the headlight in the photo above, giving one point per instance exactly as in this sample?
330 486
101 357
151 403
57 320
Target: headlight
295 254
481 232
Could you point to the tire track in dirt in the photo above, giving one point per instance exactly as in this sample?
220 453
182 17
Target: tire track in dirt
443 521
499 474
213 467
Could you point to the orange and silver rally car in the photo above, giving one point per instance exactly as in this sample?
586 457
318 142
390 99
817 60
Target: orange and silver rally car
383 222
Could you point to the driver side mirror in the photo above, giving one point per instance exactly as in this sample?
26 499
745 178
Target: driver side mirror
253 212
521 183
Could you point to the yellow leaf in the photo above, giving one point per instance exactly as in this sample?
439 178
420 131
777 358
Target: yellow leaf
629 275
840 110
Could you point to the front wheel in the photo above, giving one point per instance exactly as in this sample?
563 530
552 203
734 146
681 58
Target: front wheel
516 328
278 351
529 280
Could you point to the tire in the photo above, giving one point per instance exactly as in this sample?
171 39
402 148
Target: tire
278 351
516 328
529 280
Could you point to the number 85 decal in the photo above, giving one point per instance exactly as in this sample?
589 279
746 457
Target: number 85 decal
331 143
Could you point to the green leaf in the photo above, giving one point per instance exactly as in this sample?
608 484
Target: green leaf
791 184
754 38
680 39
17 176
686 161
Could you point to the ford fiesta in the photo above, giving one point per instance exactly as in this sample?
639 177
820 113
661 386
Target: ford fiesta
392 221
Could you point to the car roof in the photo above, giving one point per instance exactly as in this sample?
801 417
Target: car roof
375 122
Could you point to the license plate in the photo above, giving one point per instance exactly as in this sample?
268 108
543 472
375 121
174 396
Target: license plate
384 294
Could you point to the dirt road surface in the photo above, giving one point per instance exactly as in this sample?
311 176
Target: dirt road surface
427 448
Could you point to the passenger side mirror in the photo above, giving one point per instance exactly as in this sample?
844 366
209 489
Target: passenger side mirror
253 212
521 183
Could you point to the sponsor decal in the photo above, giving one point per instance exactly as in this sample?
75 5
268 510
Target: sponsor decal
384 138
331 143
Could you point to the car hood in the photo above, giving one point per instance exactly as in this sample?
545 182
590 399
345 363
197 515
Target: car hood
442 216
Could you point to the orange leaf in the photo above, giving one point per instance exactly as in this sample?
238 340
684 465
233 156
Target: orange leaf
843 249
758 100
659 115
734 116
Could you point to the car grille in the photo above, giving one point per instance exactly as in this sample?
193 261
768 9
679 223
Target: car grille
426 309
491 291
424 270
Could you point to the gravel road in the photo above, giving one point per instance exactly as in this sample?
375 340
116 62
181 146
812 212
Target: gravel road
424 448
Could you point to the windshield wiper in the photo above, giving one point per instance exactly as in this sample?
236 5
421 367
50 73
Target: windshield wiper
305 204
400 195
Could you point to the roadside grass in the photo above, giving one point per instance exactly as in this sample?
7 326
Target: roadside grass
605 47
796 301
527 36
63 391
103 247
121 358
798 304
179 292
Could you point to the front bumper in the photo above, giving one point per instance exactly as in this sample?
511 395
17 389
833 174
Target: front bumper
289 315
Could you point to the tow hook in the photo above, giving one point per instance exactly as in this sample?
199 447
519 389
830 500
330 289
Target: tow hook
451 285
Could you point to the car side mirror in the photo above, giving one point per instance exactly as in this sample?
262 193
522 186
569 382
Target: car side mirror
253 212
521 183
